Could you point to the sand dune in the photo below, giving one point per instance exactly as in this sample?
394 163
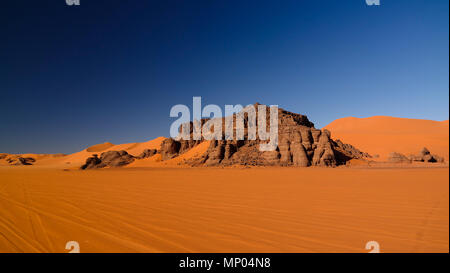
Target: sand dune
382 135
224 210
77 159
137 148
99 147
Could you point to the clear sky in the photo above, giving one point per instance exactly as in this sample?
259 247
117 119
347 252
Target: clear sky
110 70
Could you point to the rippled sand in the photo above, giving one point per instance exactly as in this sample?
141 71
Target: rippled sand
224 210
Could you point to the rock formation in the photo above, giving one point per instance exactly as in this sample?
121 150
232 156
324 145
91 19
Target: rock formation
426 156
92 162
395 157
147 153
423 156
21 161
108 159
17 160
299 144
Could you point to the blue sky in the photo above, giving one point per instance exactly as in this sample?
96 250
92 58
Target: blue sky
73 76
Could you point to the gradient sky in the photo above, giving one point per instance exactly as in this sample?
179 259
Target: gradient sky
109 70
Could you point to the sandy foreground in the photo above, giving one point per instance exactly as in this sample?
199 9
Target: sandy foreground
224 210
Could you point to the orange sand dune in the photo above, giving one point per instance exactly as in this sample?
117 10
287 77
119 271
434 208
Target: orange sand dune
99 147
77 159
137 148
224 210
382 135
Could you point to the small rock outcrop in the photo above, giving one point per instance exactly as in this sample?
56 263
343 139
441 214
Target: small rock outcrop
345 152
398 158
108 159
426 156
17 160
299 144
92 162
423 156
147 153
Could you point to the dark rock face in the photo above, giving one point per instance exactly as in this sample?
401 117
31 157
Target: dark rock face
147 153
426 156
92 162
170 148
299 144
116 158
108 159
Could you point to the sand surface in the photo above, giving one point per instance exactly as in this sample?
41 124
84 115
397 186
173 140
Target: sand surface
382 135
224 210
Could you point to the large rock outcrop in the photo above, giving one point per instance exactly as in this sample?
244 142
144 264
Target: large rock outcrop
108 159
299 144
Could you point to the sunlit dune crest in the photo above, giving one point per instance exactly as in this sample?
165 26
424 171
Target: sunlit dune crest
382 135
100 147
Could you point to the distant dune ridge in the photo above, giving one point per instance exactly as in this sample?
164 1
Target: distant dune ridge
383 135
100 147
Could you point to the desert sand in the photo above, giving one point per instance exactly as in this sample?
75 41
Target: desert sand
224 209
381 135
153 205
